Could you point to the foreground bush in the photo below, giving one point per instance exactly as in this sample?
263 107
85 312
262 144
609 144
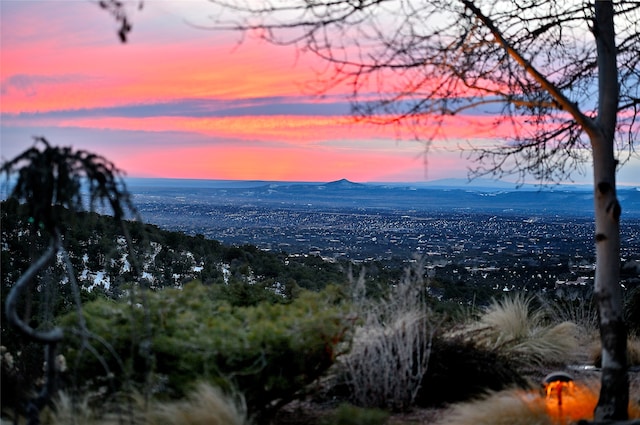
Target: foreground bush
166 341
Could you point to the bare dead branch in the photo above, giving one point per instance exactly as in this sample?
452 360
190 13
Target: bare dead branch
551 88
51 336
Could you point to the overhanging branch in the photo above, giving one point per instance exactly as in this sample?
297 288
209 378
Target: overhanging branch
584 121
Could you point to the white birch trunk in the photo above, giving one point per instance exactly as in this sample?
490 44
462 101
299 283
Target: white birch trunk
614 393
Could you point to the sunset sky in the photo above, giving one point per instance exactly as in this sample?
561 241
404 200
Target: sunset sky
182 102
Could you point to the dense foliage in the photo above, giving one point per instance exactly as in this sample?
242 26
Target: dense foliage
174 338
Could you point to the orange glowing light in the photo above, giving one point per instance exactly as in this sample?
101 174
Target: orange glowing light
556 388
568 401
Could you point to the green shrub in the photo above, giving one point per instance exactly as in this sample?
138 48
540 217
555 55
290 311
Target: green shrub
268 352
347 414
244 294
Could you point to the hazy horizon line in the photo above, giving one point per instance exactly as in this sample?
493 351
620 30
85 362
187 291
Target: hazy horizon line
453 182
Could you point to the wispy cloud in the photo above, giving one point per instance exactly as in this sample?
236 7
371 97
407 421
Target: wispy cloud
28 84
196 108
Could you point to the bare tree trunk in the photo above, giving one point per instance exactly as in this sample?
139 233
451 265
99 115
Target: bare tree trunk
614 393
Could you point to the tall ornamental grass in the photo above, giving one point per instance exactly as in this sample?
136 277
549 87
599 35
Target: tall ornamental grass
391 346
523 332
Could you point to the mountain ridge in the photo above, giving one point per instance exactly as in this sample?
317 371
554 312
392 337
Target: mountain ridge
344 193
447 183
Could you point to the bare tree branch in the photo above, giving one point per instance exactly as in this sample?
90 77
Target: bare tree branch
551 88
54 335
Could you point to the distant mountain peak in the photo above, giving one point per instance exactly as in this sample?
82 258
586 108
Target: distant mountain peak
343 183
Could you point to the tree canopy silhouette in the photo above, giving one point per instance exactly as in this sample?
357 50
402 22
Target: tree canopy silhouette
50 181
48 177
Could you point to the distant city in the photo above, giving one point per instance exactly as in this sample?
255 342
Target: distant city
532 238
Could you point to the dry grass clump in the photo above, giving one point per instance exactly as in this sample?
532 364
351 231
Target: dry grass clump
633 352
580 310
400 358
387 363
206 405
68 412
516 329
510 407
391 348
82 411
521 407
